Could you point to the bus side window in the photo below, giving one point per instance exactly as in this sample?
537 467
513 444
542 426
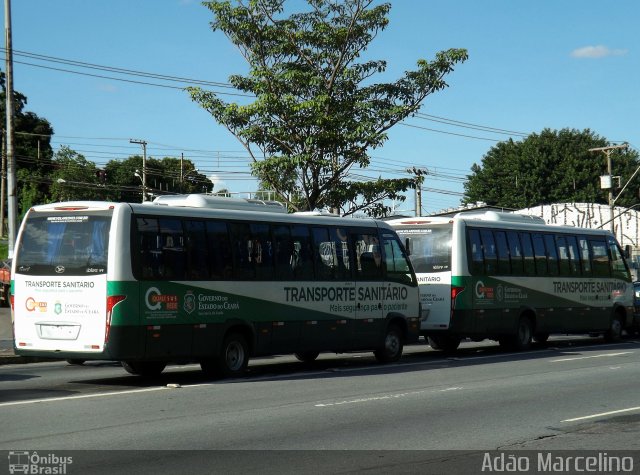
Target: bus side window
552 254
396 260
368 257
302 253
585 258
219 251
489 250
527 253
262 251
324 254
149 248
172 238
242 248
540 254
340 238
284 252
476 266
563 256
574 255
504 265
619 268
515 250
600 258
196 250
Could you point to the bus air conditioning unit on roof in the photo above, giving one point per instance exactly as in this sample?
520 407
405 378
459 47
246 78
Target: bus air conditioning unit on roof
219 202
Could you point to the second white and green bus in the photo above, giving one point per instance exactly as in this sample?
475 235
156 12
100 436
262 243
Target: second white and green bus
207 279
513 278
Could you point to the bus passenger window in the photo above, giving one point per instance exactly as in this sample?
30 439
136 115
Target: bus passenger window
552 254
504 266
302 253
515 251
563 256
583 245
475 253
489 250
574 255
368 257
324 254
600 258
219 251
540 254
527 254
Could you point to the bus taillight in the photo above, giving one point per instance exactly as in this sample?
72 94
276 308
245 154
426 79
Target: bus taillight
455 291
112 300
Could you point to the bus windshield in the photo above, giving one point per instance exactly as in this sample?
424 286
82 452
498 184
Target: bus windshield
77 243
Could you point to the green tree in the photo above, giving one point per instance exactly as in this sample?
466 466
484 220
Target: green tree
317 110
32 150
550 167
166 176
75 178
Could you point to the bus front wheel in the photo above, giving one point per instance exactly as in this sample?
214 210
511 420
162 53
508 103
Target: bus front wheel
393 344
144 368
615 330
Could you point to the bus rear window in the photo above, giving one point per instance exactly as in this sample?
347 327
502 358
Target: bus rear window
430 248
76 243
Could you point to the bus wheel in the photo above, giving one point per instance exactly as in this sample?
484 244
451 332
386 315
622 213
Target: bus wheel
307 356
522 339
444 342
144 368
615 330
234 358
541 337
392 346
74 361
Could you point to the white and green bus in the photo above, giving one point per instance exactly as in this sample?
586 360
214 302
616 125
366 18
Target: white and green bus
511 278
207 279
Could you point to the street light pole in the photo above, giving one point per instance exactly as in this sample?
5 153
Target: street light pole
12 200
607 151
144 167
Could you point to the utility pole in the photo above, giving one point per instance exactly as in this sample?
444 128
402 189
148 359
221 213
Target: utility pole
12 205
607 151
419 173
144 167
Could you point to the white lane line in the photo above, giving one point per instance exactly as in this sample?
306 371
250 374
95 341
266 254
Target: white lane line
83 396
602 414
385 397
592 356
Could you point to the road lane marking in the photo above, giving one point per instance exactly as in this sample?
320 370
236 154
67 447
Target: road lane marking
82 396
593 416
592 356
387 397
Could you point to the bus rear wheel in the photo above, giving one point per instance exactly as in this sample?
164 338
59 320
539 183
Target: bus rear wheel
393 345
521 340
306 356
144 368
444 342
234 358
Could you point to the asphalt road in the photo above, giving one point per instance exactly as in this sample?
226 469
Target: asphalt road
571 394
344 413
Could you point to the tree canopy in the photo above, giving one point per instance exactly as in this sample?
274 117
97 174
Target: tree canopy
317 111
550 167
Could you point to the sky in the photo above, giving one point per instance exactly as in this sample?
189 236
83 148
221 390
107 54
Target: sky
533 64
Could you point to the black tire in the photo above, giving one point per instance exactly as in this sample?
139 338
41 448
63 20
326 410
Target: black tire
307 356
144 368
392 346
541 337
614 333
448 343
75 361
234 357
521 340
